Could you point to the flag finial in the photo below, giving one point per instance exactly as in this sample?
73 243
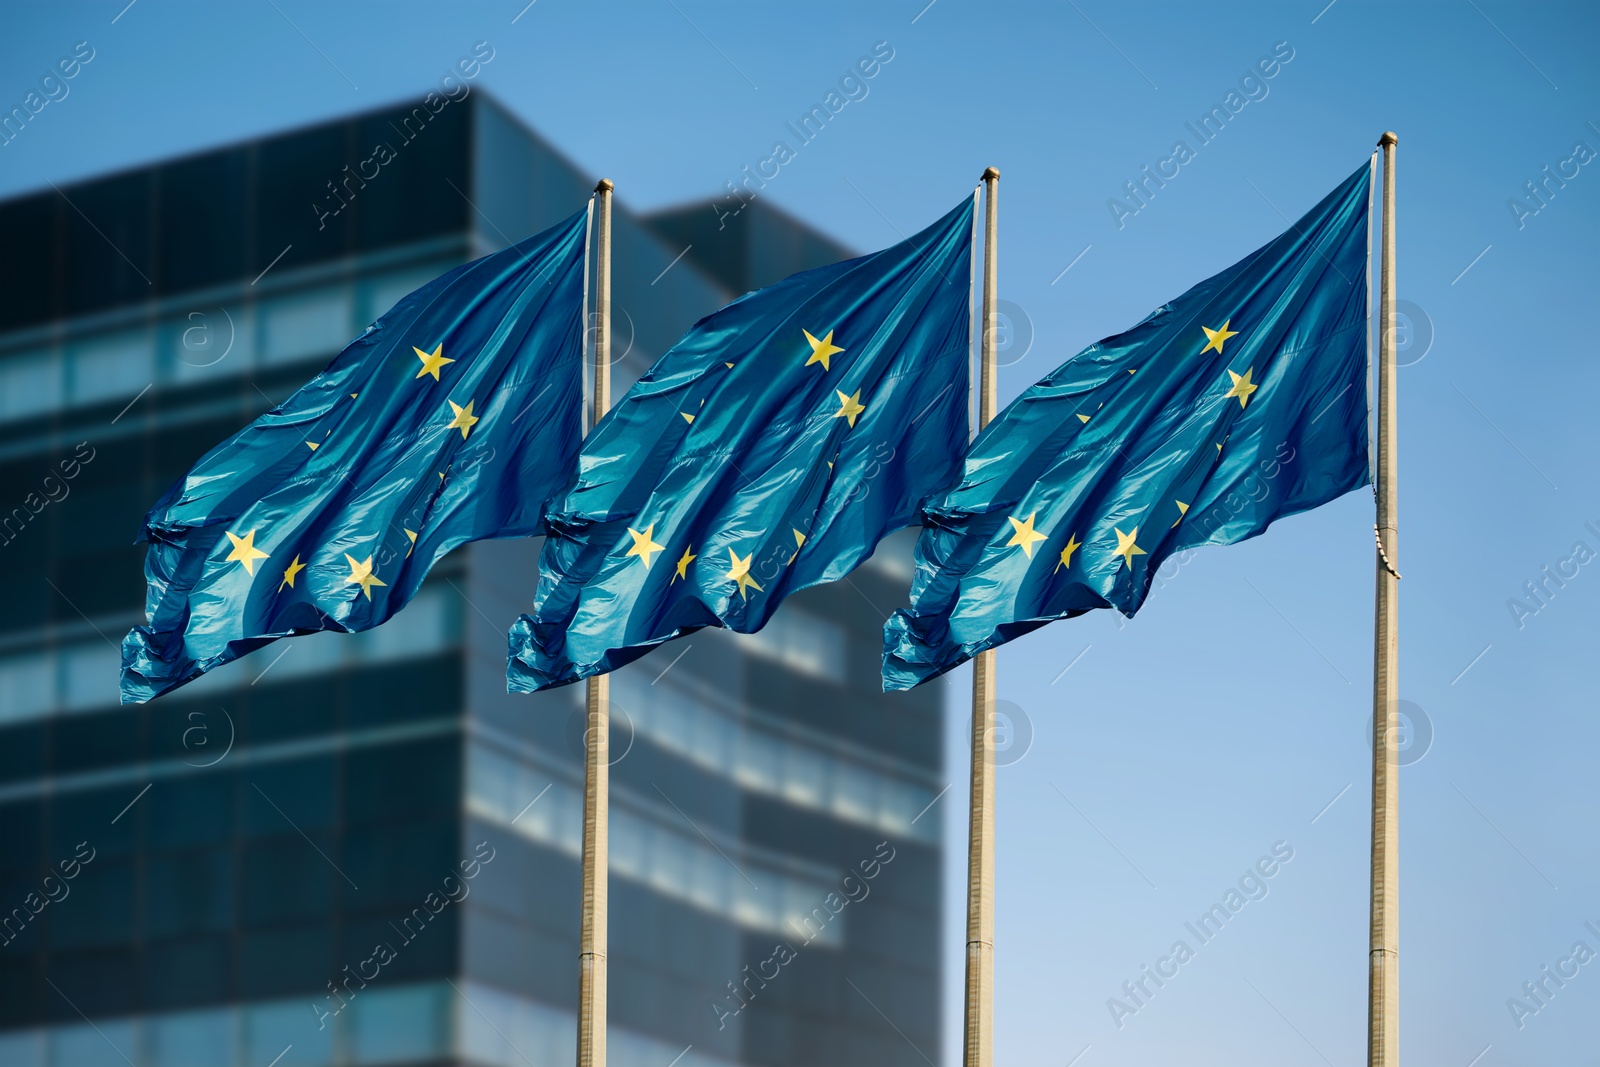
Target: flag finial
1388 138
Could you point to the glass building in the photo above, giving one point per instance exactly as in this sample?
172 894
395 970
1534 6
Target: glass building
360 849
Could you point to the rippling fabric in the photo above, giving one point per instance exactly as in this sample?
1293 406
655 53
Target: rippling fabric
1241 401
452 418
769 450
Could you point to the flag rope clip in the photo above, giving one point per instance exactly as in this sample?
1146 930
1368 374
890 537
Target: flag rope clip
1378 537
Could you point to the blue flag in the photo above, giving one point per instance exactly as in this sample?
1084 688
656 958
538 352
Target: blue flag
769 450
1239 402
452 418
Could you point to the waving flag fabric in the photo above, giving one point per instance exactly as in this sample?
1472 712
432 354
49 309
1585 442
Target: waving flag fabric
452 418
1241 401
769 450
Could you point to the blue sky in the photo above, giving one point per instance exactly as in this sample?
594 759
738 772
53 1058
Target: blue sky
1181 746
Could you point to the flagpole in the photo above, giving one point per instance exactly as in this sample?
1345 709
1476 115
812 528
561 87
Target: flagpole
1383 991
597 738
979 1028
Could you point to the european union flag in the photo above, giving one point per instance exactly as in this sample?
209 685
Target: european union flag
769 450
1241 401
452 418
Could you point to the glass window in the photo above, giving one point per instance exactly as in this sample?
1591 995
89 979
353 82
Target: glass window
399 1025
802 641
112 1043
115 365
406 201
894 557
904 802
189 892
762 761
290 797
300 656
102 909
195 809
89 673
27 686
185 973
30 383
207 196
630 848
673 869
752 907
672 859
711 889
24 1049
191 1038
855 793
427 624
315 323
509 1031
805 777
208 342
282 961
29 222
489 784
270 1029
294 173
95 276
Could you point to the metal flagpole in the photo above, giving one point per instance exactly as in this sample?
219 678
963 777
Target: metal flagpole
980 827
1383 990
597 739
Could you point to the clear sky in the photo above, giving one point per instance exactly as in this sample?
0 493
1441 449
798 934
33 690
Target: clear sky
1181 746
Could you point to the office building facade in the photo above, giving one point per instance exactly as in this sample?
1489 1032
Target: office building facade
359 849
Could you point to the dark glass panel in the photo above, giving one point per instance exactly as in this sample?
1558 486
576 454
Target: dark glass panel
287 880
403 781
203 216
290 797
189 892
28 267
285 961
181 974
108 246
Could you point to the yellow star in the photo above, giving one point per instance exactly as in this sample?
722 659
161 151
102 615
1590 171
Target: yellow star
464 419
821 350
431 361
643 546
413 535
684 560
1073 544
686 416
849 407
361 574
311 445
294 568
1242 386
1083 418
1214 338
799 543
1125 546
740 573
1183 509
244 550
1024 534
